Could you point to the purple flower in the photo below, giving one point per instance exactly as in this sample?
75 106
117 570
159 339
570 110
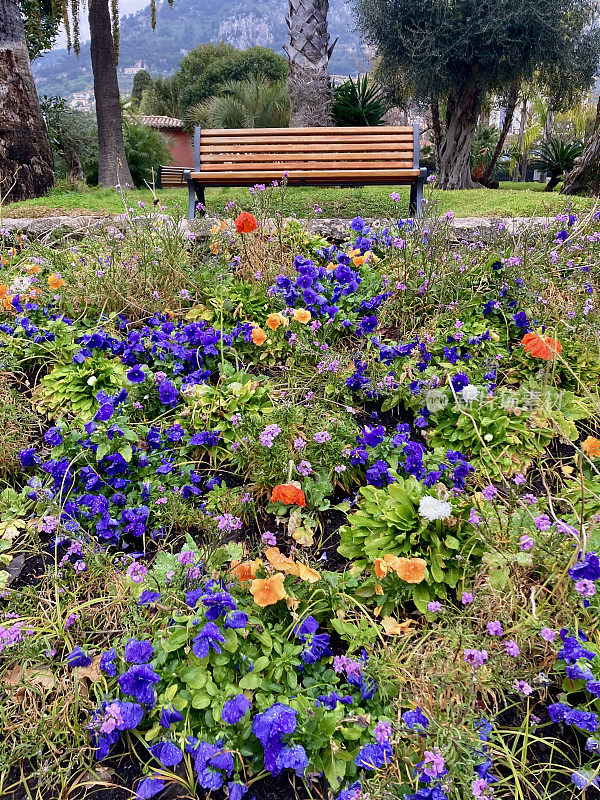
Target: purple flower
374 756
548 634
415 719
495 628
168 393
543 522
476 658
585 587
168 716
77 658
236 790
136 572
585 720
304 468
139 682
105 412
148 787
466 598
382 732
106 663
321 437
53 437
137 652
434 764
512 648
234 710
523 688
489 492
292 758
136 375
526 542
330 701
434 606
209 636
588 567
167 753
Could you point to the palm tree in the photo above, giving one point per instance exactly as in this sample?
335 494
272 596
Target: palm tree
26 168
243 104
358 103
557 157
308 53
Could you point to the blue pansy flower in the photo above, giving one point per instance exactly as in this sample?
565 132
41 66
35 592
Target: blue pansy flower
235 709
138 652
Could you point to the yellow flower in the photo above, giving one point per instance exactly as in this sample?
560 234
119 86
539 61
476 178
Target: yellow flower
302 315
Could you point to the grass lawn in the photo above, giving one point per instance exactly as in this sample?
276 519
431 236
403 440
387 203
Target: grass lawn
511 200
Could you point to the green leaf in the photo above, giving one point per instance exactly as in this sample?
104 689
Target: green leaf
126 452
250 681
103 450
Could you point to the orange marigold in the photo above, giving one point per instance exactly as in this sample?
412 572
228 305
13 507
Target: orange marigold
268 591
541 346
591 446
280 561
246 222
275 320
258 336
289 494
55 281
411 570
302 315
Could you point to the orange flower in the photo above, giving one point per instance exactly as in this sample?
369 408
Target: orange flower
381 568
308 574
302 315
258 335
544 347
55 281
269 591
358 261
280 561
411 570
275 320
3 290
245 570
289 494
32 269
591 446
7 302
246 223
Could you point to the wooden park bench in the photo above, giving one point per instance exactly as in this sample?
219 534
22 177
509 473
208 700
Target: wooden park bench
304 156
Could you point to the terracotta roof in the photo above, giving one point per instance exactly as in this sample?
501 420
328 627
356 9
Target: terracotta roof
163 122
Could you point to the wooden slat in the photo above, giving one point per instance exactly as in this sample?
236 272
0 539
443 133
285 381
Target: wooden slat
208 133
282 166
298 151
377 155
360 175
232 141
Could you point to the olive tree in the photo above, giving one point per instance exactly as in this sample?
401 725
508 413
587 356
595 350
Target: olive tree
454 52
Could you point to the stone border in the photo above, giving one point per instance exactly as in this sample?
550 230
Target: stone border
336 230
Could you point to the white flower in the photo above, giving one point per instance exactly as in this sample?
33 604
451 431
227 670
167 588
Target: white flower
431 508
469 393
20 285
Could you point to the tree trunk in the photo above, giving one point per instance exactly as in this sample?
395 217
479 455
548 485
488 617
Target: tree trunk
511 104
26 165
455 154
522 123
309 83
585 175
437 130
112 162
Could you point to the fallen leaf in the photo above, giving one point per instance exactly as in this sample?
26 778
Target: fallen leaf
394 628
304 536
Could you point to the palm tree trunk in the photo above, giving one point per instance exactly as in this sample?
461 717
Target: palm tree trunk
523 120
112 162
26 165
511 104
308 53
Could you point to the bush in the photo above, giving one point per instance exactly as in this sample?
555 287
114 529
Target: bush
146 149
358 103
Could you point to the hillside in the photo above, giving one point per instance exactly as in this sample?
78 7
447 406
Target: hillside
186 24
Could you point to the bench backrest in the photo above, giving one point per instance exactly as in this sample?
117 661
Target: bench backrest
364 151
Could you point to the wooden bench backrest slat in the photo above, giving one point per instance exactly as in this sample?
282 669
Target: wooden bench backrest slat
299 133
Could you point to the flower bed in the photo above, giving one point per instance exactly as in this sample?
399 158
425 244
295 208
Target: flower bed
280 509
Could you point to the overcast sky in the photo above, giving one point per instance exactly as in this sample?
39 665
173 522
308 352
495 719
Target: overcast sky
125 7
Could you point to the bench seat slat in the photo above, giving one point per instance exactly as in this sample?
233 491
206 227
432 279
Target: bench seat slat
299 133
311 155
289 166
359 175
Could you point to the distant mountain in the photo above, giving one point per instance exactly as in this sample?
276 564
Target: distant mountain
191 22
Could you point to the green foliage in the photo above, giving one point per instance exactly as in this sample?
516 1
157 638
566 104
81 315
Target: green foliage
73 387
358 103
42 20
484 143
205 69
444 50
146 149
557 157
161 97
255 103
141 80
17 423
388 522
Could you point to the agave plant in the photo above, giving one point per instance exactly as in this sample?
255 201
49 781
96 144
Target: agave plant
557 157
244 104
358 103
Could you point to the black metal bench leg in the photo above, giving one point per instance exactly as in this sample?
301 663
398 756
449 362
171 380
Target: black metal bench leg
200 198
415 205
